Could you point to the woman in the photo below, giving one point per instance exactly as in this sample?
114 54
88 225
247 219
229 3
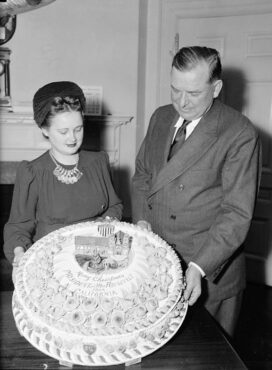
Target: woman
64 185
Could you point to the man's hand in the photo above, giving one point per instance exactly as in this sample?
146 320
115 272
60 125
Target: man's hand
193 285
18 254
144 225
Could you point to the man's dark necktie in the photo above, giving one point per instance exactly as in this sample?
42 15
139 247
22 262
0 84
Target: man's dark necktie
179 139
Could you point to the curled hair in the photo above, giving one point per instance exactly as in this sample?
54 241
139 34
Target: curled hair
62 105
188 57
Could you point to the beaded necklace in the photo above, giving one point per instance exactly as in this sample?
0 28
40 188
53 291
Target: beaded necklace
66 176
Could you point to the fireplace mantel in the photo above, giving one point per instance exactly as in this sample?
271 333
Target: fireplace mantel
21 139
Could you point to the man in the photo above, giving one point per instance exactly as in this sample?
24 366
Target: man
201 198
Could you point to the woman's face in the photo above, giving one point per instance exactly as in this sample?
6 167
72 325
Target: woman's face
65 132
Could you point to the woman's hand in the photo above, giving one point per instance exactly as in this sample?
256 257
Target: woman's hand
106 219
18 254
144 225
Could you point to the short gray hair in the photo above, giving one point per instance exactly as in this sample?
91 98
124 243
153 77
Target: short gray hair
188 57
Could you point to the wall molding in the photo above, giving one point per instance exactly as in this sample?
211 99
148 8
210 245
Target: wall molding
210 8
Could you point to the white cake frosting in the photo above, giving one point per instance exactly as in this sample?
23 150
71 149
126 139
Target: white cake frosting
99 293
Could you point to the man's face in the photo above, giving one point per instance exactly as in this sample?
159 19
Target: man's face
191 92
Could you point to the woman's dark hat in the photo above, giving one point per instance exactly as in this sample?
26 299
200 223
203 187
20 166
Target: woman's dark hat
44 97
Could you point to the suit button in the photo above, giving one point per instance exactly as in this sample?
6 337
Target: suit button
103 206
181 187
173 217
150 206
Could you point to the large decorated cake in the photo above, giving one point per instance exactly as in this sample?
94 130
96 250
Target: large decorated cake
99 293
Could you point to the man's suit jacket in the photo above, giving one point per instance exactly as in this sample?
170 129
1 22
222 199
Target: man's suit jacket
202 200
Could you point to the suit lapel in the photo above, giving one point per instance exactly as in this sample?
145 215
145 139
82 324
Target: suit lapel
198 143
168 137
162 137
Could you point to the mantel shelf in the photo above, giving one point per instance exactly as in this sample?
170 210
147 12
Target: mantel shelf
26 118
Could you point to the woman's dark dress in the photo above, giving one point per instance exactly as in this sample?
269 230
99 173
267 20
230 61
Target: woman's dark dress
42 204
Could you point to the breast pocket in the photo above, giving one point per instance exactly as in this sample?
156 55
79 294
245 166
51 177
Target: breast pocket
201 177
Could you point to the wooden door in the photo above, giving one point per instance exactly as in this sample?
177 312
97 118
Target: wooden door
243 36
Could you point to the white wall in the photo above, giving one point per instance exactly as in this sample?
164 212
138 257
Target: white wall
90 42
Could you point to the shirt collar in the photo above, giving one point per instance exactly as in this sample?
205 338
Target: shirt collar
180 121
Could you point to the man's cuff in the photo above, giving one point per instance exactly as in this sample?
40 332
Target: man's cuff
198 267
